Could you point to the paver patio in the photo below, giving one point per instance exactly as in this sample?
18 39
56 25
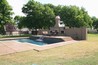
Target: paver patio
7 47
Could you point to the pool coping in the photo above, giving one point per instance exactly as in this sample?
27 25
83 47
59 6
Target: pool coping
12 38
44 47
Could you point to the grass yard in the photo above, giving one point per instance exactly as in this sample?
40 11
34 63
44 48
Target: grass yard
81 53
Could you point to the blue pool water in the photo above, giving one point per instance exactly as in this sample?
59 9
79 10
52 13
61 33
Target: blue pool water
31 41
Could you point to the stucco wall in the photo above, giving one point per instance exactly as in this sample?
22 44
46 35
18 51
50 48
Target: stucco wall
76 33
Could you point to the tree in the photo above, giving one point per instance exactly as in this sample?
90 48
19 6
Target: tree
50 5
5 14
19 21
56 9
38 16
75 17
95 23
48 19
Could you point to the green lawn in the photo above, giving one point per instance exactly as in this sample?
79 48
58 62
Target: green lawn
81 53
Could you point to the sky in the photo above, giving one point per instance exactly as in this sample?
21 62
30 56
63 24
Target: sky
89 5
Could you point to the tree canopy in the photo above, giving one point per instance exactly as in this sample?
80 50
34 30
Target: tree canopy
72 16
95 23
38 16
19 21
56 9
75 17
5 14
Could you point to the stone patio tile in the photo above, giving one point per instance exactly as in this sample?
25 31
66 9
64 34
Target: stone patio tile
18 47
1 44
6 50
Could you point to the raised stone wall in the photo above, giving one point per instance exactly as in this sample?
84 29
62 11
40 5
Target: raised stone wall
76 33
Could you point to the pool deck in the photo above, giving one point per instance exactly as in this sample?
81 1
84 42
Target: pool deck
8 47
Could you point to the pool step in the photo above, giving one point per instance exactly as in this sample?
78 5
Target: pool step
67 38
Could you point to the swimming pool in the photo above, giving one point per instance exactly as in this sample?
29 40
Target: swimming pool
31 41
44 41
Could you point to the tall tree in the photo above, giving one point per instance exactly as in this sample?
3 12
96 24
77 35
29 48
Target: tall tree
56 9
75 17
38 16
95 23
5 14
48 18
19 21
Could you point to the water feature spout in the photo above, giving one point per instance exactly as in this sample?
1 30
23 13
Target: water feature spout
40 39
